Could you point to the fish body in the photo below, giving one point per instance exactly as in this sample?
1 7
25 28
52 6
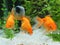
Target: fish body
18 13
26 25
47 22
10 21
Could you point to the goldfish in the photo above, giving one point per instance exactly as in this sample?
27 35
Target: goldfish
18 13
25 25
47 22
15 14
10 21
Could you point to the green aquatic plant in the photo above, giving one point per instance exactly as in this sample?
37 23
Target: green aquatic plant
9 33
55 37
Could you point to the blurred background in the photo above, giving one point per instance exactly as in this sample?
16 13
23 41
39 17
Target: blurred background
32 8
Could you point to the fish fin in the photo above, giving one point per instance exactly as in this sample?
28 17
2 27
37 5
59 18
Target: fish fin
39 22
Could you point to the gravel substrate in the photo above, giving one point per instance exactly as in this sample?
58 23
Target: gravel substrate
37 38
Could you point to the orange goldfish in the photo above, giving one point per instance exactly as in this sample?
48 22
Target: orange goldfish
48 23
18 13
10 22
26 25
